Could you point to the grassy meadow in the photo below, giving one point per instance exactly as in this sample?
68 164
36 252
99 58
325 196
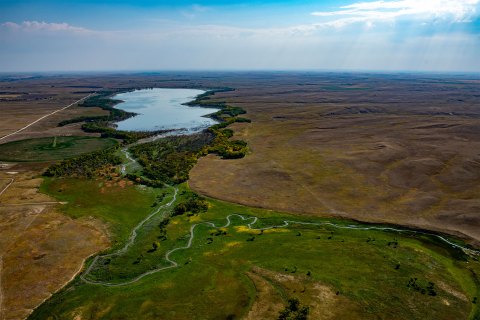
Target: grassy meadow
230 273
118 203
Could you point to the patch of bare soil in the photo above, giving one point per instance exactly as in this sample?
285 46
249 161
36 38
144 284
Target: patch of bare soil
274 288
268 303
453 292
46 251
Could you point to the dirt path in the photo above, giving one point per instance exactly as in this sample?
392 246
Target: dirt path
43 117
7 186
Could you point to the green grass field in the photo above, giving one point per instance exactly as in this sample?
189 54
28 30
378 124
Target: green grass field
364 274
51 148
117 203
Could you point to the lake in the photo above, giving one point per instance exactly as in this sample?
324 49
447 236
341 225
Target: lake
163 109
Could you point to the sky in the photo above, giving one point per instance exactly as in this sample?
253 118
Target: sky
342 35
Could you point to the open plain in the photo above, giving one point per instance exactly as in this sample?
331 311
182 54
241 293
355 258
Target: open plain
41 249
393 149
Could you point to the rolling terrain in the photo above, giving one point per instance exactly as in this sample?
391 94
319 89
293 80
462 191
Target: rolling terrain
248 262
340 208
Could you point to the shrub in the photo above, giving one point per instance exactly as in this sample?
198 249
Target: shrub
192 203
294 311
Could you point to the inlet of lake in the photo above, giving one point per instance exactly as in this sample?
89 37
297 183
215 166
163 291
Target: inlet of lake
163 109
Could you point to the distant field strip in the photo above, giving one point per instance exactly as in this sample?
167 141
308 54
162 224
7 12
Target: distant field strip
43 117
254 220
51 148
30 203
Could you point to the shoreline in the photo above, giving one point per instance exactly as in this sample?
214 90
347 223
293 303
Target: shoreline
167 127
466 241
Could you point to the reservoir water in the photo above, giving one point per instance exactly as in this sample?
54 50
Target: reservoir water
163 109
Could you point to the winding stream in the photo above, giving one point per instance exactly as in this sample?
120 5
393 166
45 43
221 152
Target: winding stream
254 220
129 243
152 120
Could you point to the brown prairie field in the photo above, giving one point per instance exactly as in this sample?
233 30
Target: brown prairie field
41 249
29 100
401 149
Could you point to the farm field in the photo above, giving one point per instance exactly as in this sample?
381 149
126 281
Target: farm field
52 148
30 101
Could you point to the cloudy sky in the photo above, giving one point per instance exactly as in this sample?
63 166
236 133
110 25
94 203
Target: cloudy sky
389 35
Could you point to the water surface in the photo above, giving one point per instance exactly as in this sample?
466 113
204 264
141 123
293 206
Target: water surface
163 109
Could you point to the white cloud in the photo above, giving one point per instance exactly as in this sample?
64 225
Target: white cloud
36 26
199 8
391 11
194 11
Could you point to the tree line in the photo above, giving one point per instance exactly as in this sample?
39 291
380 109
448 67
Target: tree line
169 160
103 101
104 124
165 161
87 166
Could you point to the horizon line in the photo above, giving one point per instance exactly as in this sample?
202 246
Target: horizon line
143 71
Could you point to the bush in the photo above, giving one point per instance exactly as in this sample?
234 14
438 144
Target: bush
192 203
294 311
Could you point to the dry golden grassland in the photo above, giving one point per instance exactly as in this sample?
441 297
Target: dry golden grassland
380 148
41 249
402 151
398 149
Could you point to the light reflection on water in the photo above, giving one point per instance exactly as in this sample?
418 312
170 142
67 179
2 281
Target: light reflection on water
162 109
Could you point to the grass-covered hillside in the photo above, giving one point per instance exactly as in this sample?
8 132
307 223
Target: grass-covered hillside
242 271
